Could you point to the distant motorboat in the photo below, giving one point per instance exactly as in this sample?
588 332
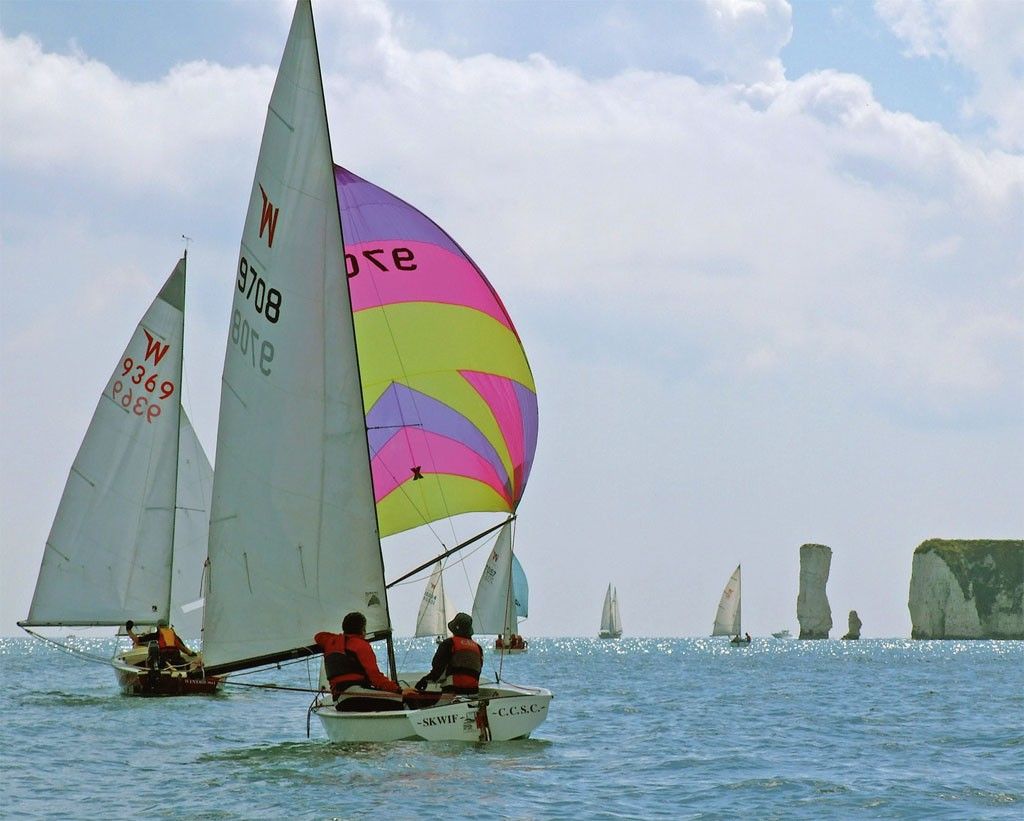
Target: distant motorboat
782 634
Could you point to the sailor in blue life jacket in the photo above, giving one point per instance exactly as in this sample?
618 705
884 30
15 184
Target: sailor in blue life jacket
458 660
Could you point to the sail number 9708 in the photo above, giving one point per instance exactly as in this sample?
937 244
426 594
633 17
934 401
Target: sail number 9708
246 339
266 301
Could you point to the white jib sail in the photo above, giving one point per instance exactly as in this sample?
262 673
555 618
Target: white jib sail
293 528
494 610
435 609
108 555
727 620
191 531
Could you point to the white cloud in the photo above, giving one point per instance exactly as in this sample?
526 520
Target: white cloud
70 113
986 37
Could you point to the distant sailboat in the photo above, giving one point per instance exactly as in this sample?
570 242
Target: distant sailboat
502 597
128 540
611 621
727 619
436 609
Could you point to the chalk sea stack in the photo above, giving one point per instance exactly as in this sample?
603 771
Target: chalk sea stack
812 609
853 625
967 589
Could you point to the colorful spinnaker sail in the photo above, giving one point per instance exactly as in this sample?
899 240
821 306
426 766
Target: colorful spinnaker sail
450 402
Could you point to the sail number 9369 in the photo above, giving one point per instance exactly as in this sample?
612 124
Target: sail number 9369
266 300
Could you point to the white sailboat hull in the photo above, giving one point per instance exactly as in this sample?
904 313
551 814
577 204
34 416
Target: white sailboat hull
605 634
500 713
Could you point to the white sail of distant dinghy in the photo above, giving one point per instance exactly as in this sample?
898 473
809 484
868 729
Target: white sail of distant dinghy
436 609
611 621
728 616
294 539
128 540
496 606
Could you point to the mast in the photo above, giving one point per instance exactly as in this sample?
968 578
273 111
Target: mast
739 603
355 344
177 449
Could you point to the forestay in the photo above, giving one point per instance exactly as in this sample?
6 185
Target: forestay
108 556
293 533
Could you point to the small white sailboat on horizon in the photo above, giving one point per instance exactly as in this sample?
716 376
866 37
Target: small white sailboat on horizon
611 621
728 621
128 540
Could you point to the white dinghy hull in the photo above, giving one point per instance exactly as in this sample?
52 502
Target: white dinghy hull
499 713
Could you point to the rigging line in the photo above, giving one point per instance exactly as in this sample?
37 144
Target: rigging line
447 553
460 561
274 666
267 687
69 650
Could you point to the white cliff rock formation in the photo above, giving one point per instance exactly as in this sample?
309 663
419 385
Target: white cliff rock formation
967 589
812 609
853 626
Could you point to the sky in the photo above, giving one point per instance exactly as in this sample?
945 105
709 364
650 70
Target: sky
766 258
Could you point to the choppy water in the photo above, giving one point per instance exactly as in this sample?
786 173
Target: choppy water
639 728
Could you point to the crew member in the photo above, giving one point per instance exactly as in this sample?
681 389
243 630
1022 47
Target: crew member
458 660
357 684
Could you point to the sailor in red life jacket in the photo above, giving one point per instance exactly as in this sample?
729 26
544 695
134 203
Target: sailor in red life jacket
357 684
458 660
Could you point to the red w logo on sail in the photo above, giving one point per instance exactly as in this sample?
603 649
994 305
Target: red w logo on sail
154 348
268 218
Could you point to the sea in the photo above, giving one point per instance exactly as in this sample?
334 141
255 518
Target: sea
639 728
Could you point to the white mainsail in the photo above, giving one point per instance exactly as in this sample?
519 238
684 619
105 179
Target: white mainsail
436 608
611 622
108 557
494 607
727 619
293 531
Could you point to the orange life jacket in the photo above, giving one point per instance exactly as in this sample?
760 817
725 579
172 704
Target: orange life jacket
343 667
166 638
466 663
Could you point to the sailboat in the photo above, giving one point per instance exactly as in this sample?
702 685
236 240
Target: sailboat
611 621
502 597
436 609
727 619
321 450
128 540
